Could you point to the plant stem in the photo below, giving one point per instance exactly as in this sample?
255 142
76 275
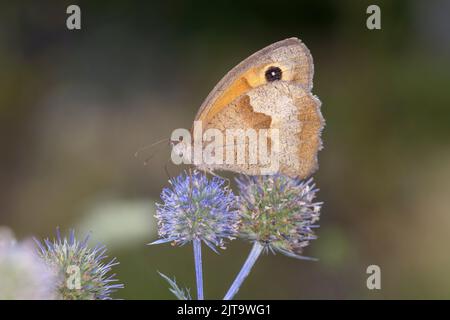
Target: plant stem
198 267
245 271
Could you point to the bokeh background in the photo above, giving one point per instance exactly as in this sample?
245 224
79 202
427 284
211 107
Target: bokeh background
76 105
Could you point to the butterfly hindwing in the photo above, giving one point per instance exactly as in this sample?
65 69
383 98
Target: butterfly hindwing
282 106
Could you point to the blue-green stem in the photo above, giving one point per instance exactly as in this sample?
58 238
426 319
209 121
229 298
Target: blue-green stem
198 267
245 271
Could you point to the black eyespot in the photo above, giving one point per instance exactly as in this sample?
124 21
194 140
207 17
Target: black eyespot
273 73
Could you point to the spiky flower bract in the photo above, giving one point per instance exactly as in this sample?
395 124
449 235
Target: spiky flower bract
180 293
23 275
197 208
84 272
278 212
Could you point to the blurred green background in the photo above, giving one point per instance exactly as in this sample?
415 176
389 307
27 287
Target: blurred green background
76 105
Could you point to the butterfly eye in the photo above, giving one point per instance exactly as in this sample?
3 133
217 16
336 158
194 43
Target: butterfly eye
273 73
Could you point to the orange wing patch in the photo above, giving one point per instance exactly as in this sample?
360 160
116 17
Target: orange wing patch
248 80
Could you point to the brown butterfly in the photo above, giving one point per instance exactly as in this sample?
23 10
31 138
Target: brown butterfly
266 97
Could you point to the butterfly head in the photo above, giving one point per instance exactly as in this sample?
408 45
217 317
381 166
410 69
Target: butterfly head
182 150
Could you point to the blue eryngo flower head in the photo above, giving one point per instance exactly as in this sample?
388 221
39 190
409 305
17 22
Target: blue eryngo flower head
83 271
278 211
23 275
195 207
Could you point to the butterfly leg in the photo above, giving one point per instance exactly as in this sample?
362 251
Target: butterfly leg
211 172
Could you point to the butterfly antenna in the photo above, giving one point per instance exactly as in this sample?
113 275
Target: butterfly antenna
136 154
147 160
